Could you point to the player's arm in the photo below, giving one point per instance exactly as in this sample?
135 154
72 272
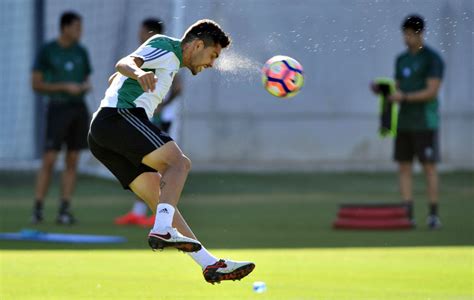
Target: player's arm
130 66
41 86
427 94
431 91
86 85
112 77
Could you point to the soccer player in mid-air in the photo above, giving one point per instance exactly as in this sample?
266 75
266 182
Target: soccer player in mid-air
145 159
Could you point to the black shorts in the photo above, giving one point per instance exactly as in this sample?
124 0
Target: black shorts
422 144
120 138
66 123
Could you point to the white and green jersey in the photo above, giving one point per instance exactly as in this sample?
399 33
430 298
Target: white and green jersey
161 55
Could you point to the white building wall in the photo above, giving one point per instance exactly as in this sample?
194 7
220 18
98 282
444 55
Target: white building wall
229 122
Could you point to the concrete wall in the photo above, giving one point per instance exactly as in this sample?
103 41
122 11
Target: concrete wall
228 118
228 121
17 102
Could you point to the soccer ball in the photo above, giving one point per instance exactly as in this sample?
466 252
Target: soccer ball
282 76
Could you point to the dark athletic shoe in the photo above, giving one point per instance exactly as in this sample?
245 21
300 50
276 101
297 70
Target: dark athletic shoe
227 270
37 218
433 222
66 218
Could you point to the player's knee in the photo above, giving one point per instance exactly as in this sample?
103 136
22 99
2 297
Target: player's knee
48 164
405 168
188 163
185 163
71 164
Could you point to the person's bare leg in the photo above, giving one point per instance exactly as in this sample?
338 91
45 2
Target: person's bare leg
405 183
68 184
432 185
43 178
69 175
174 167
405 180
43 181
147 187
432 182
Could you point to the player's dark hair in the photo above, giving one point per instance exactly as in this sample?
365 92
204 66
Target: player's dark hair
414 22
67 18
154 24
209 32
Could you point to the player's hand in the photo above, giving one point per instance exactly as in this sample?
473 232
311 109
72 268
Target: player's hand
396 97
147 81
73 88
86 86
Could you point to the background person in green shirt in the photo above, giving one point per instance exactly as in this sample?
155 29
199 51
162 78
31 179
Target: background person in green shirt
61 72
418 74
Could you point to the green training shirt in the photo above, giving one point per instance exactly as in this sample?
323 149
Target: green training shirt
160 54
58 64
412 72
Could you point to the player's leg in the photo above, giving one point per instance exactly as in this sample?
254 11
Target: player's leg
68 184
43 181
147 187
428 153
405 180
76 126
432 182
53 140
403 153
174 167
214 270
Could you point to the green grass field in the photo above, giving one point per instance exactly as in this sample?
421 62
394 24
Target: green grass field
281 222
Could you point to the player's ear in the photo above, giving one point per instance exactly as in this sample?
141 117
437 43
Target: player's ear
199 44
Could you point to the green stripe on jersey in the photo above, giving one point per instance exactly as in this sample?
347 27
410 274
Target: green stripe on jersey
129 92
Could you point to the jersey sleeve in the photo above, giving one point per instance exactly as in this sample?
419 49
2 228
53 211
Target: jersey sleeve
436 67
41 63
156 58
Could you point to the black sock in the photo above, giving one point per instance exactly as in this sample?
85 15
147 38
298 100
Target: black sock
433 209
64 206
409 207
38 206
